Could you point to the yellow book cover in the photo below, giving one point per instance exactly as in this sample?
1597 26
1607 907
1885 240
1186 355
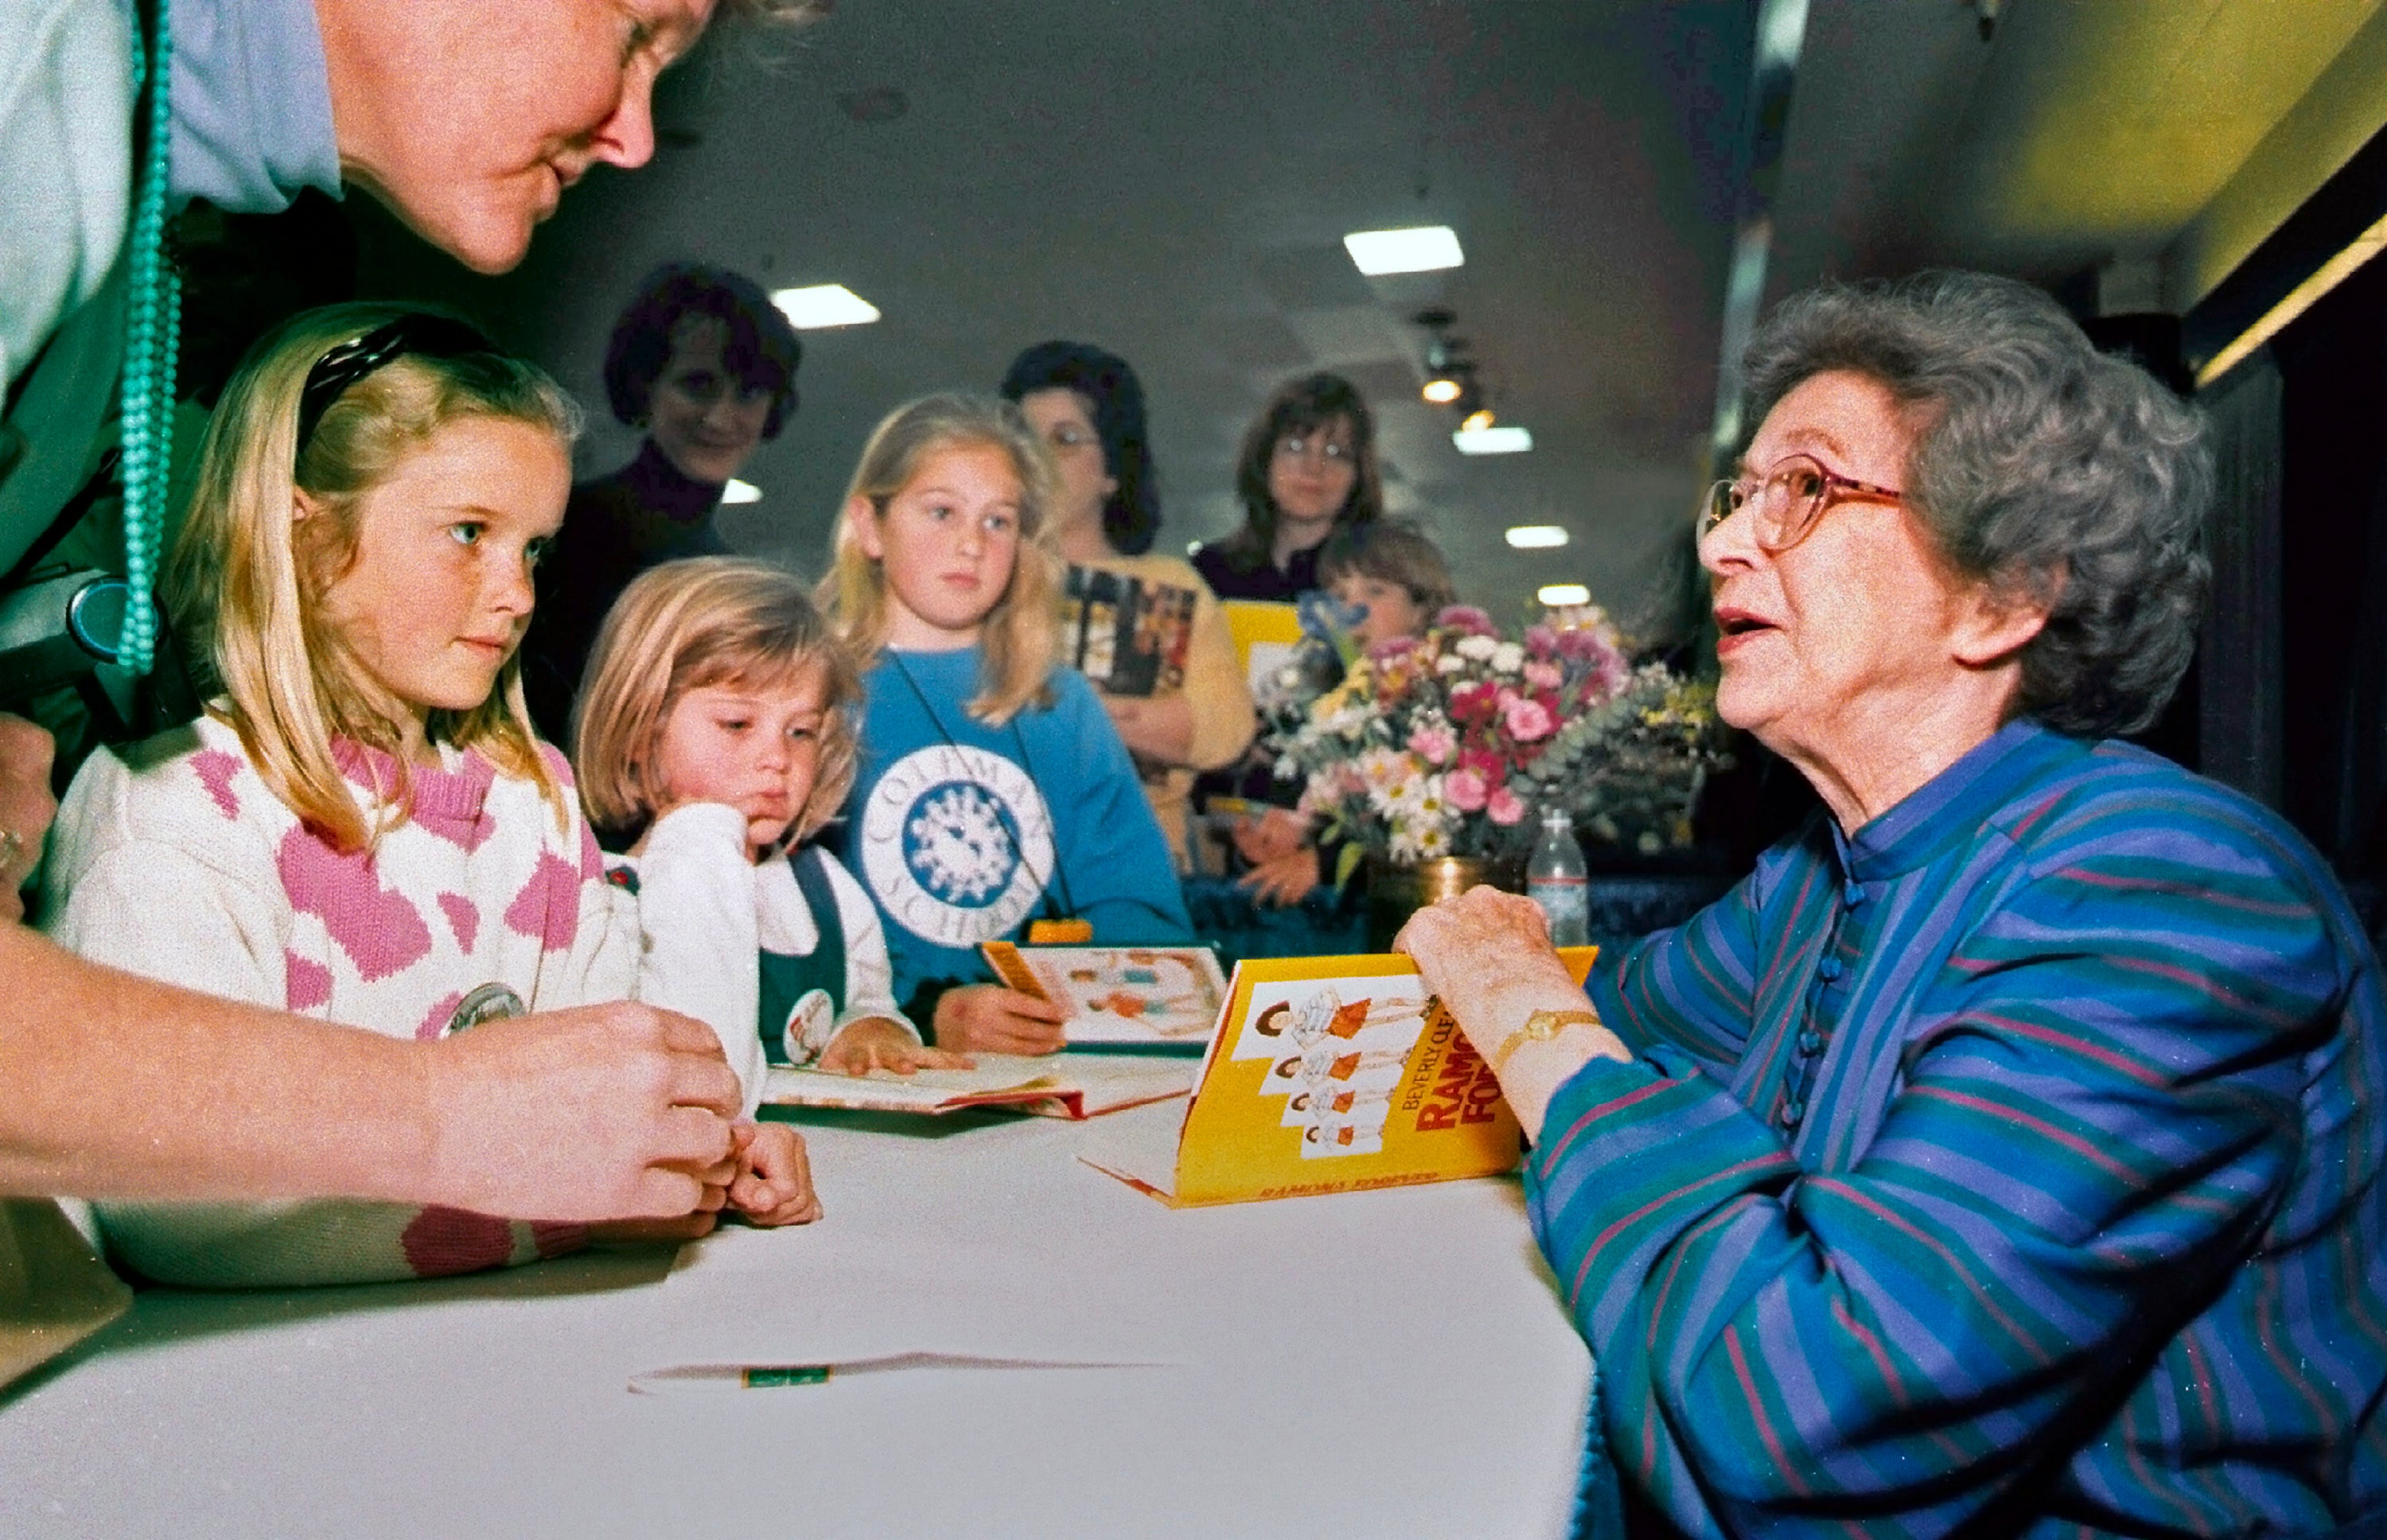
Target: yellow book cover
1330 1075
1265 635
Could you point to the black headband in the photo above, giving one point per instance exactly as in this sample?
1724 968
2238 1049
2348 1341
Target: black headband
436 336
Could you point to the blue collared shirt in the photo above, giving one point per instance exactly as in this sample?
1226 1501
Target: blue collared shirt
252 105
2020 1155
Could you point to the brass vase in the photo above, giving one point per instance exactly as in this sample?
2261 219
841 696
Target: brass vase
1396 892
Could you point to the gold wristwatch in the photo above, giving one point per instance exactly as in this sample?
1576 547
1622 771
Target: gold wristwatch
1540 1026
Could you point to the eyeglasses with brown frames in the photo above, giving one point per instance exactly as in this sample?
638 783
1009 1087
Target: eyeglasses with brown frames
1789 498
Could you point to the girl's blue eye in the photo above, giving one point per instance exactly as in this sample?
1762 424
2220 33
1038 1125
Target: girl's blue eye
536 551
465 534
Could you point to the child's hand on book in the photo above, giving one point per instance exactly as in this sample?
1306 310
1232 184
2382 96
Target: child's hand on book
875 1043
988 1019
774 1185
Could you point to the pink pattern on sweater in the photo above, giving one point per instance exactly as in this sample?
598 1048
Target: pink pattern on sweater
547 908
215 769
443 1240
463 917
434 1021
306 982
452 804
381 931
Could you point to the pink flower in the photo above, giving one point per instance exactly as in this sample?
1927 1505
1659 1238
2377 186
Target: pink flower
1541 641
1474 704
1528 720
1542 676
1467 618
1485 764
1504 807
1433 745
1464 790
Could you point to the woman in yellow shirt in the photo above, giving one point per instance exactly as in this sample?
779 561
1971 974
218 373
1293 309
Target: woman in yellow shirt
1144 629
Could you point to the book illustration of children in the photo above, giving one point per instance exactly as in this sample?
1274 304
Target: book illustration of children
1325 1016
1329 1066
1326 1141
1163 992
1359 1104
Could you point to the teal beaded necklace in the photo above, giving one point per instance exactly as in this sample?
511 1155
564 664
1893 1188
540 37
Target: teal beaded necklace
152 329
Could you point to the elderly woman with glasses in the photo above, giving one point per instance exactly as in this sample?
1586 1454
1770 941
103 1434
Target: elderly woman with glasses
2005 1151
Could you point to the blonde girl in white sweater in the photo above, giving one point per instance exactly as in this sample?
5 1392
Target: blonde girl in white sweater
362 827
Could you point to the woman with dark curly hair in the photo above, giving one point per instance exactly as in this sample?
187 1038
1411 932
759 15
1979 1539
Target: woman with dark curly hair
706 364
1177 699
1307 469
2003 1156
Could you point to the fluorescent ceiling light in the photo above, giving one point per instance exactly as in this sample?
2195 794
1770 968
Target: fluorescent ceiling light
1422 249
824 305
1556 595
2300 298
1492 441
741 491
1536 536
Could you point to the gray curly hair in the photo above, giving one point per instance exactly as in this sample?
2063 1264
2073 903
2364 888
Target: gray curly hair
2043 469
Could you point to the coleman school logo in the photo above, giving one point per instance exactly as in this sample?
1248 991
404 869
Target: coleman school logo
957 843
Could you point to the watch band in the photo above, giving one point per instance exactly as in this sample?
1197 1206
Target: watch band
1540 1026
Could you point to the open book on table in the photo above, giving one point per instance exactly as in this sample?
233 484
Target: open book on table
1148 995
1064 1085
1327 1075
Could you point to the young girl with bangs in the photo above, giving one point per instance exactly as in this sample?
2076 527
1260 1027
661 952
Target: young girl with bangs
363 826
994 791
717 727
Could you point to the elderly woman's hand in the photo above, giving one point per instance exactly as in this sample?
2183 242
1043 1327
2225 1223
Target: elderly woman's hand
1487 956
26 807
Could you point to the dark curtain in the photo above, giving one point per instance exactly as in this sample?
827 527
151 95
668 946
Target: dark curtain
2239 705
2332 553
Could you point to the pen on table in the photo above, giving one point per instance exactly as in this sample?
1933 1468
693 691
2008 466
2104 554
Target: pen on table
682 1379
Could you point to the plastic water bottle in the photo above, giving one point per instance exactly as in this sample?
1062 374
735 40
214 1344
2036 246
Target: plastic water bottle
1554 880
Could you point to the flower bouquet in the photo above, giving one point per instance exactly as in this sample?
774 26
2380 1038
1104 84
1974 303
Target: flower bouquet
1453 743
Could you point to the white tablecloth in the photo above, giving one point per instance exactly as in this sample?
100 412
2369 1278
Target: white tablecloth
1380 1364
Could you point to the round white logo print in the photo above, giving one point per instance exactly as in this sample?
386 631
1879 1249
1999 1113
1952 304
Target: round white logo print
957 843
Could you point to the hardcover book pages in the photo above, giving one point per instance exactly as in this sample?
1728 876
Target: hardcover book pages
1330 1075
1119 994
1063 1085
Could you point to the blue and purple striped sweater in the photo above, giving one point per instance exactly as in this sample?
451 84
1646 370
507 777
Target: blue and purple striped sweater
2016 1161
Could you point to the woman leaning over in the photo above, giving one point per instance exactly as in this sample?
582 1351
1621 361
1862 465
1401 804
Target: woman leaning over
1088 407
2005 1150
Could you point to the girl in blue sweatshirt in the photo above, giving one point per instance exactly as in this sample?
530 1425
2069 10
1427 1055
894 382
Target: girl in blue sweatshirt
992 792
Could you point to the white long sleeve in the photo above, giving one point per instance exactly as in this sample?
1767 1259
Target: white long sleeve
172 858
697 916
